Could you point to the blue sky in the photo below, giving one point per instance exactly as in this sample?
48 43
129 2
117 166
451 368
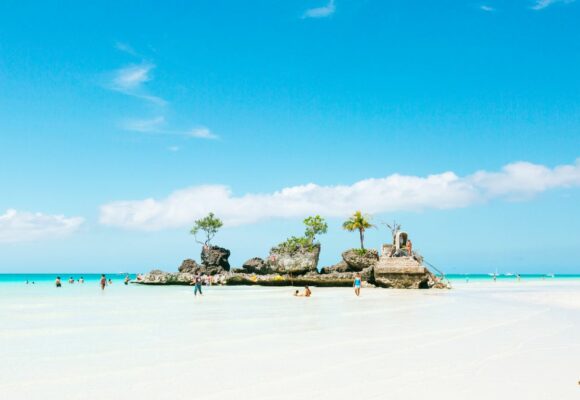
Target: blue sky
120 124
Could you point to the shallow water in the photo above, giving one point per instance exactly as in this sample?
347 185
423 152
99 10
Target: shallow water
480 340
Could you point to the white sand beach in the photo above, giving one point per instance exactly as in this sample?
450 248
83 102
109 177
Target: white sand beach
503 340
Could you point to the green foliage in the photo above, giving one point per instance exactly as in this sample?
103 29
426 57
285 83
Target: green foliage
315 226
360 252
210 225
294 244
358 222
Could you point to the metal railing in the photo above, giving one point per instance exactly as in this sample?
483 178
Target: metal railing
437 270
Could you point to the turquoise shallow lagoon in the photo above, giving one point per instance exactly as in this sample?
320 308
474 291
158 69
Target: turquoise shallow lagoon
91 277
49 278
482 340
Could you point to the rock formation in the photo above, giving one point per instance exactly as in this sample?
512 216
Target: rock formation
296 265
358 260
214 260
189 266
297 261
256 265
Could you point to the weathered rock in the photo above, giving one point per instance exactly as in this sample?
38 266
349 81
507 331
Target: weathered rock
157 277
368 275
341 266
404 273
215 260
297 262
310 279
358 261
256 265
189 266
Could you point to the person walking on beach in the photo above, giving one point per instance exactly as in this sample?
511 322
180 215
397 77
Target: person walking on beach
357 284
103 281
81 280
197 282
57 282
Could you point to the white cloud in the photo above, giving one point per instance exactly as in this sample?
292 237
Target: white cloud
144 125
18 226
392 193
202 133
125 48
320 12
155 126
541 4
132 76
130 80
486 8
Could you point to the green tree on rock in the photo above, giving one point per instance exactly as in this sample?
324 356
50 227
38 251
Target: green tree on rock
359 222
210 225
314 226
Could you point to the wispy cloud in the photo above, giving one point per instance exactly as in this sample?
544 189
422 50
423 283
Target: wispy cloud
320 12
18 226
144 125
202 133
486 8
156 125
130 80
125 48
516 181
541 4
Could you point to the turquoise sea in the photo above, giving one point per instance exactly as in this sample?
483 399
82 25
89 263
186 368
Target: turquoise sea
91 277
49 278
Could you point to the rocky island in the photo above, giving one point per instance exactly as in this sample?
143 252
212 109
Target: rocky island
295 263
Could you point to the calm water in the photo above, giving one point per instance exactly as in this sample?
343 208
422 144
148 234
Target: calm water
90 278
49 278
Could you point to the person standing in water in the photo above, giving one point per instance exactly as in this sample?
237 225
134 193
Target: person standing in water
357 284
126 279
103 281
57 282
197 282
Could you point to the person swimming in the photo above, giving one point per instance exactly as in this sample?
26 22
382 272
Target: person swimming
57 282
307 292
110 281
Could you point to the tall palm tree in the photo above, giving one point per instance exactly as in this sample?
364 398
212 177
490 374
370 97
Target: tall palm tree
359 222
